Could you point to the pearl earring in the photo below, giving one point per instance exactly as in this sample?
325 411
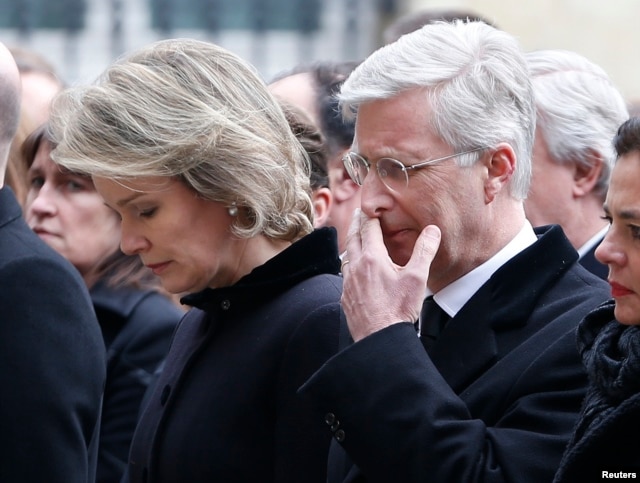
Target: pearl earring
233 209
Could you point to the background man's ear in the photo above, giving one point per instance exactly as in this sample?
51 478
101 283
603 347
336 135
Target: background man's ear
586 177
322 201
342 187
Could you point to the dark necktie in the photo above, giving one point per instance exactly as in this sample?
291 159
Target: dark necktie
433 319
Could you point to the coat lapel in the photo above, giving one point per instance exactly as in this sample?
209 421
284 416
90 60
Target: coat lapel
471 342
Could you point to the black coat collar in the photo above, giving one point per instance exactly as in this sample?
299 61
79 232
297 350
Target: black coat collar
506 301
314 254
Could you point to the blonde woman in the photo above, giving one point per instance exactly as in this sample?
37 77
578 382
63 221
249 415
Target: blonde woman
184 141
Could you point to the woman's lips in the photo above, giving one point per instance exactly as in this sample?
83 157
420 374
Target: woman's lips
158 268
618 290
44 233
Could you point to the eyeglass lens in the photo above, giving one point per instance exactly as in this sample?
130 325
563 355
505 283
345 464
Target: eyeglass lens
354 167
392 173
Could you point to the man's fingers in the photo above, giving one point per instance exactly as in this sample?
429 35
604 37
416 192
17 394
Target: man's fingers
371 233
364 233
425 248
354 242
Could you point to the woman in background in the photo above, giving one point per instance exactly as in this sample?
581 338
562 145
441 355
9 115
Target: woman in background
137 321
606 436
184 141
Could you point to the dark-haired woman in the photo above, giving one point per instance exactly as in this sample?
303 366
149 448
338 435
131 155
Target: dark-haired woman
606 436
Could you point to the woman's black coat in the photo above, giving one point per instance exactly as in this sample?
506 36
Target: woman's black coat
225 407
137 326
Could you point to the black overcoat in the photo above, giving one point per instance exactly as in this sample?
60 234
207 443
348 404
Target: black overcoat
225 407
495 401
52 360
137 326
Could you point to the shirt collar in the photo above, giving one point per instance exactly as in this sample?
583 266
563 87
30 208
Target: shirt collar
593 241
453 297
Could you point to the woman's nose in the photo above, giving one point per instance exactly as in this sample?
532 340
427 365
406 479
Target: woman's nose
609 252
132 243
42 203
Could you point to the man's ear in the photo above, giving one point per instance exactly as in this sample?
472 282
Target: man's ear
585 178
342 186
322 201
500 163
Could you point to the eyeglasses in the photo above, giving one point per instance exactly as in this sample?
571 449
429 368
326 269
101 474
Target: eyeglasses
391 171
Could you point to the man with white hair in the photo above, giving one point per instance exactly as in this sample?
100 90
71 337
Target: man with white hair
489 388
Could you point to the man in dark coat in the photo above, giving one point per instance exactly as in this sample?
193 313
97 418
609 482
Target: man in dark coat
490 386
52 357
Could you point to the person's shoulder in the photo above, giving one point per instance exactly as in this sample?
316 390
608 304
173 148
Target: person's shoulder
42 290
321 288
19 242
138 309
34 264
315 304
159 308
144 330
554 254
574 294
23 252
584 283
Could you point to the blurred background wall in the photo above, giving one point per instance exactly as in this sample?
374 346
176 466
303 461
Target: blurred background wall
80 37
606 32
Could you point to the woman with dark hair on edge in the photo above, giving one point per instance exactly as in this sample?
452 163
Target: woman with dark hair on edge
606 436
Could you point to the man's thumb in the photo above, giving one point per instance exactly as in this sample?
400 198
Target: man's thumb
427 245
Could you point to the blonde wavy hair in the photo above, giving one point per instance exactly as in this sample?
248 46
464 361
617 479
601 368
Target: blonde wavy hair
192 111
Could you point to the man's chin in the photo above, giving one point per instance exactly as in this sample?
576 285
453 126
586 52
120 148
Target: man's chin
399 253
399 256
